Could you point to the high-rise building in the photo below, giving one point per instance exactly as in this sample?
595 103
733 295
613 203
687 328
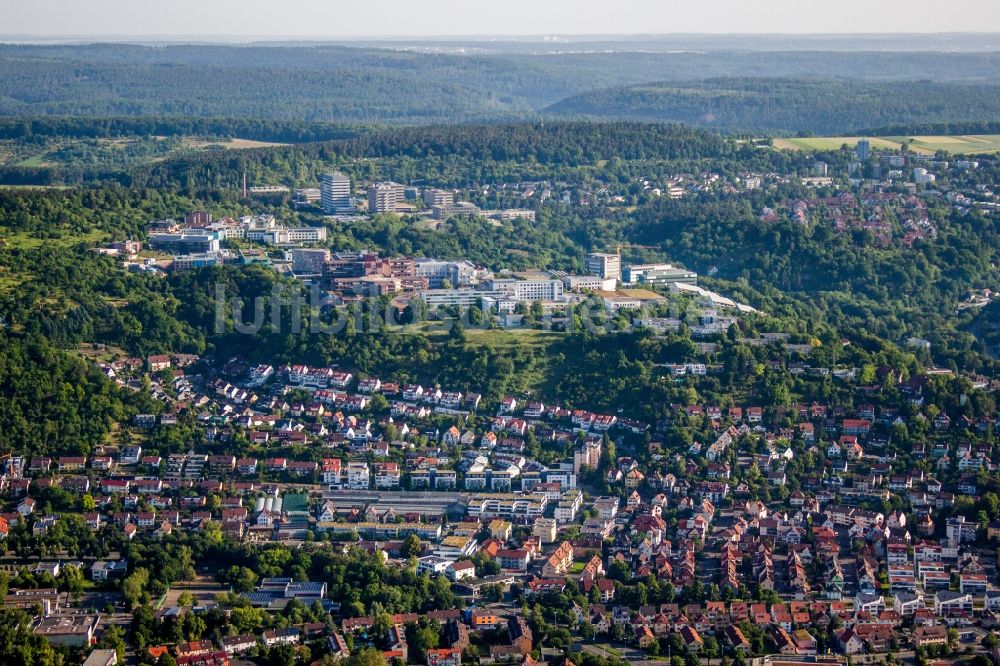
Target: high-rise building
384 197
863 150
588 455
335 192
604 265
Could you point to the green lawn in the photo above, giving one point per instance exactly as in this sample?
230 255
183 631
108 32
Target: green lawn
518 337
536 377
9 282
34 161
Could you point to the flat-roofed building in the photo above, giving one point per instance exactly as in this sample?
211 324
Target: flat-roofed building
604 265
384 197
309 260
456 547
463 298
435 197
528 290
588 282
509 506
335 192
185 243
70 630
457 273
102 658
545 529
658 274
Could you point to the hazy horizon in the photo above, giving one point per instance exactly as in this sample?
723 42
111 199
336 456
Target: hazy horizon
257 20
553 38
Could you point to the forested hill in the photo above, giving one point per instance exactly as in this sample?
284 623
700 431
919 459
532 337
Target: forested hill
789 105
455 154
324 83
260 129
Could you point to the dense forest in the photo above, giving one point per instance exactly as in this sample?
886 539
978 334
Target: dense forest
77 127
352 84
992 127
448 154
788 105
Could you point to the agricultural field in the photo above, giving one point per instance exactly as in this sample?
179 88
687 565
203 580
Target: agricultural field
957 145
830 143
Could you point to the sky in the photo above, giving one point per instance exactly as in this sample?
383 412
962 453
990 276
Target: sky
427 18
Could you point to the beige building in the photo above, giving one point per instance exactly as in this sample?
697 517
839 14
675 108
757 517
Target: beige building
545 529
604 265
384 197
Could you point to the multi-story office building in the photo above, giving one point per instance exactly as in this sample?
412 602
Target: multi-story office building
384 197
434 197
528 290
591 282
604 265
186 262
496 291
185 243
640 274
510 214
457 273
335 192
454 209
461 298
307 195
283 236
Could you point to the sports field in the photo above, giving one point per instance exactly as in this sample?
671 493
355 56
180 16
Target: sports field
957 145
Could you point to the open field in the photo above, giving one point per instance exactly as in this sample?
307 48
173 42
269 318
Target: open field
830 143
26 241
957 145
9 283
34 161
228 144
